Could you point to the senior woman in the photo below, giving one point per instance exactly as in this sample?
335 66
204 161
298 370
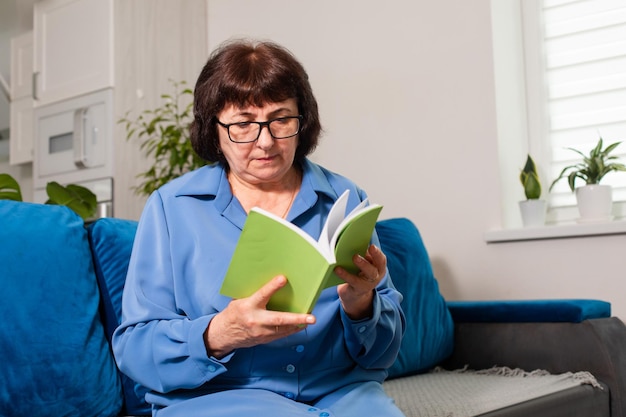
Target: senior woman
202 354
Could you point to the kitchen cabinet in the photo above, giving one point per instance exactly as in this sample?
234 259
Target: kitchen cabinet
131 49
22 65
21 143
73 48
21 108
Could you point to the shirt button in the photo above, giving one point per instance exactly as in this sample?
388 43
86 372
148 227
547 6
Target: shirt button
362 329
299 348
324 414
290 395
290 368
212 368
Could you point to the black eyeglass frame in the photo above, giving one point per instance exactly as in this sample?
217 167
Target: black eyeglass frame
261 125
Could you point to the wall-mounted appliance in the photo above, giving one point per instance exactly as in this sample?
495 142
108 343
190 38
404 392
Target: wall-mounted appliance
74 144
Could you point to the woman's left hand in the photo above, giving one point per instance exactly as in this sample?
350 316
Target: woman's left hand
357 293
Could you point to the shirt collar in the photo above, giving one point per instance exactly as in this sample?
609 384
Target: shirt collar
211 181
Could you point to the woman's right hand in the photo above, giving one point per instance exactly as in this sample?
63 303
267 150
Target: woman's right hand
246 322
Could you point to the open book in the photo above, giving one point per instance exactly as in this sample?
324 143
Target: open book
271 246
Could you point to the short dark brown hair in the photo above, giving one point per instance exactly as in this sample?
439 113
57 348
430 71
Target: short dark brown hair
245 72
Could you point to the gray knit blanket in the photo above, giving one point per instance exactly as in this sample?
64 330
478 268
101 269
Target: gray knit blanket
465 393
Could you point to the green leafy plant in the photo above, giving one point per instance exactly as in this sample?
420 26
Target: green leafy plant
76 197
530 180
164 136
593 167
9 188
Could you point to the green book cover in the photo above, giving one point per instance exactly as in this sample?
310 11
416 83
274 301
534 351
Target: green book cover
271 246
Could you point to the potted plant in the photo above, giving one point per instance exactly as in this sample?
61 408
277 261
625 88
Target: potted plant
78 198
594 200
164 136
533 209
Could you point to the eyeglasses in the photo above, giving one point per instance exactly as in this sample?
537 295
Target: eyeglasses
279 128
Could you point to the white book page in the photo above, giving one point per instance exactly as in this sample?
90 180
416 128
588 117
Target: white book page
320 248
335 216
358 209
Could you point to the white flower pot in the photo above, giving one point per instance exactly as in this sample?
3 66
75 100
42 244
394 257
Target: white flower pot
595 202
533 212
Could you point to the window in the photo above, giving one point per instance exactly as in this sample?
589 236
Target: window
575 78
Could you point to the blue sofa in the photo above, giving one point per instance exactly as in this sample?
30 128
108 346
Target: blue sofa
60 300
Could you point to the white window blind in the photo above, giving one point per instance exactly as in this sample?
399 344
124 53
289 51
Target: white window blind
584 88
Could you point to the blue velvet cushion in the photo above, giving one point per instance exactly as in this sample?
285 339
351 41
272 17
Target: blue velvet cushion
429 336
55 357
111 243
530 311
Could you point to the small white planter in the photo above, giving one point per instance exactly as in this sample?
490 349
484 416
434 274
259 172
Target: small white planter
595 203
533 212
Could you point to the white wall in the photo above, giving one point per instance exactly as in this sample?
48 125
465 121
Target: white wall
407 98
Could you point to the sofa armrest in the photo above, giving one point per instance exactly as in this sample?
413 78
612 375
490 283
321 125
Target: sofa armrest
528 311
593 345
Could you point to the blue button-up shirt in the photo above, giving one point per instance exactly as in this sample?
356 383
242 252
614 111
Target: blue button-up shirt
184 242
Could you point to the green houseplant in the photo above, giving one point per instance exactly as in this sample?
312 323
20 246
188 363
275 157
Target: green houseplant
594 200
530 180
533 209
78 198
164 136
593 167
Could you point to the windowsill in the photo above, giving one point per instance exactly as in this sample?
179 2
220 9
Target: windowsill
569 230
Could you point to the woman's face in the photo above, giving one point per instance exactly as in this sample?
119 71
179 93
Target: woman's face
267 160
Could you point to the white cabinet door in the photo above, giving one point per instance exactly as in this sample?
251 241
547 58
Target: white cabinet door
22 130
22 66
73 41
21 143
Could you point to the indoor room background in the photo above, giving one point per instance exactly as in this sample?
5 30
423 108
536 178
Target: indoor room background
407 95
